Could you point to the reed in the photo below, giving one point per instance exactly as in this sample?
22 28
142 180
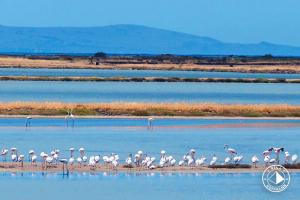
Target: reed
149 109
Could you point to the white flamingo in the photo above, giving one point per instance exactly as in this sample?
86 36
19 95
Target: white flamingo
287 156
191 157
213 160
237 159
4 153
71 159
277 151
97 159
232 152
267 152
92 162
200 161
14 154
56 156
32 156
227 160
21 160
267 160
150 123
128 160
294 158
254 160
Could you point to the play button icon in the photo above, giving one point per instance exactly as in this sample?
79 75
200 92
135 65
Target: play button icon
276 178
279 178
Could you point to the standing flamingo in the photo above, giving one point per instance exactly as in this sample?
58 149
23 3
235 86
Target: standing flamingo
232 152
254 160
150 123
14 154
277 152
4 153
71 159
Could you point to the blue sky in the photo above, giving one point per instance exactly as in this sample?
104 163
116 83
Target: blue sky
244 21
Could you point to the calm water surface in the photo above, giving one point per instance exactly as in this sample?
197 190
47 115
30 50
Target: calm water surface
176 136
137 73
149 92
123 136
36 186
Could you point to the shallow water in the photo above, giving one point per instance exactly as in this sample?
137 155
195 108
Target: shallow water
176 136
137 73
149 92
246 186
123 136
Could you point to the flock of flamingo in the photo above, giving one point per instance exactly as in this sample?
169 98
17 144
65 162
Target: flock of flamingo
141 159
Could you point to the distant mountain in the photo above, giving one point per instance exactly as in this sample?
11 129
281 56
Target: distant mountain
126 39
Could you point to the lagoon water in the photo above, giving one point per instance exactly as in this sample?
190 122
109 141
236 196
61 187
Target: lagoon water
136 73
149 92
131 186
123 136
176 136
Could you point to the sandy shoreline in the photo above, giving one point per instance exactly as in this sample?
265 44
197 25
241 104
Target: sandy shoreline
16 167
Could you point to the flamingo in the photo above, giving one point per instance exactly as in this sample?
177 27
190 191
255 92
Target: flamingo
277 152
14 154
294 158
21 160
97 159
150 123
128 160
254 160
92 162
80 158
28 120
184 160
213 160
163 158
273 160
72 117
227 160
201 161
267 152
287 157
56 156
230 151
49 161
32 156
171 161
67 117
191 157
44 157
4 153
138 158
237 159
267 160
150 162
65 165
79 161
71 159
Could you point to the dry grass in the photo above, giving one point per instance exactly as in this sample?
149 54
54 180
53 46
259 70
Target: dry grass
7 61
149 109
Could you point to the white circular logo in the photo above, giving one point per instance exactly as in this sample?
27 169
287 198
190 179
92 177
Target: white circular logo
276 178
